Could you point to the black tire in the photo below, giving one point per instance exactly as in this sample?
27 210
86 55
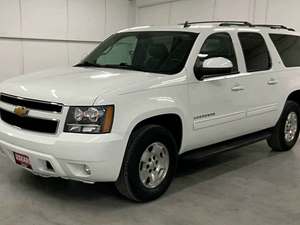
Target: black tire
278 141
129 183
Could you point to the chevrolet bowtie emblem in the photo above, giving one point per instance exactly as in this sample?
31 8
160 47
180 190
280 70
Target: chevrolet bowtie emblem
21 111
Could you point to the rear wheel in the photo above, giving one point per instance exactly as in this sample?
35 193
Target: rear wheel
149 164
286 132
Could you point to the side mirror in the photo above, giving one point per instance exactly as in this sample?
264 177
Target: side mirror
212 67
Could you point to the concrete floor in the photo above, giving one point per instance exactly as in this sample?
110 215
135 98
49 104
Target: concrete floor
251 185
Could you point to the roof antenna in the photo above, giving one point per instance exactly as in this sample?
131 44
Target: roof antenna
186 24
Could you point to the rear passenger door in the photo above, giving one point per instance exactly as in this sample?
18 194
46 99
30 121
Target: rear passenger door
260 80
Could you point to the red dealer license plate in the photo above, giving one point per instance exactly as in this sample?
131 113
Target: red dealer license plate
22 160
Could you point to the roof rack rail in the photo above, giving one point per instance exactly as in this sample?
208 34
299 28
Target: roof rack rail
236 23
221 22
274 26
187 24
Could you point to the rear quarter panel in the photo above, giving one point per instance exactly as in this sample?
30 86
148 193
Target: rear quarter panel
289 78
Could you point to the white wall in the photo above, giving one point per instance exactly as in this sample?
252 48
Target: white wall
37 34
163 12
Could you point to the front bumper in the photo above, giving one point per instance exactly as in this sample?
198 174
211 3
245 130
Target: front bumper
67 153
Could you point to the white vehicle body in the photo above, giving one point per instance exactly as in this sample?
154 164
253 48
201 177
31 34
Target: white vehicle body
211 110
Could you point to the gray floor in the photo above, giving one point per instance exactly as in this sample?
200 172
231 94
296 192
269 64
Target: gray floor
248 186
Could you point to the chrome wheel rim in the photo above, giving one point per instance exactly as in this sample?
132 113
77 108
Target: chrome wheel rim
291 127
154 165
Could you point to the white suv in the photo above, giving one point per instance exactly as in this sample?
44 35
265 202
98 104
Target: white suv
149 94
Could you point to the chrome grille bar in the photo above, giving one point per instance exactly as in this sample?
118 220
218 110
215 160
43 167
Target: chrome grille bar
31 103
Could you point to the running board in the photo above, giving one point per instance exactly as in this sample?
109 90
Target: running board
227 145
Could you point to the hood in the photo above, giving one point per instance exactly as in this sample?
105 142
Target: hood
75 85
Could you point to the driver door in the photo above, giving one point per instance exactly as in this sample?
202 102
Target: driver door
218 103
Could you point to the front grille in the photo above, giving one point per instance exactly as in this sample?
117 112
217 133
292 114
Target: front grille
30 103
29 123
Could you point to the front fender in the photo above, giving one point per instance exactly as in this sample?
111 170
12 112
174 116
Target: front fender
133 108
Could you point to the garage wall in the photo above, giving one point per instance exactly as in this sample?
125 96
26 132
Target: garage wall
37 34
164 12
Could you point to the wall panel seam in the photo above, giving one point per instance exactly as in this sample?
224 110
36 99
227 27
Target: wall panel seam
214 10
21 41
169 12
105 18
254 11
67 30
267 10
249 9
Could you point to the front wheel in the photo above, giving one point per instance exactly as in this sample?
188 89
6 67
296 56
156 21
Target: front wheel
286 132
149 164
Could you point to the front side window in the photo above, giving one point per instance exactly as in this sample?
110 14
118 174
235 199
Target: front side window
288 47
157 52
219 45
257 57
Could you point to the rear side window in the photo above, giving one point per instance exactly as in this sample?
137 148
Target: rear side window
256 52
288 47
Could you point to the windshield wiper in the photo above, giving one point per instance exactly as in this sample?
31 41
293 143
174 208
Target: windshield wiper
122 66
87 64
112 66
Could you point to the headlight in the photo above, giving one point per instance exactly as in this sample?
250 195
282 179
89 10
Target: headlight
92 120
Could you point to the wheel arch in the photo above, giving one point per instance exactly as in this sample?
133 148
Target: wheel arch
171 120
294 96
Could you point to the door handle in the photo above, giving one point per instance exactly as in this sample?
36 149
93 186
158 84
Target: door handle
238 88
272 81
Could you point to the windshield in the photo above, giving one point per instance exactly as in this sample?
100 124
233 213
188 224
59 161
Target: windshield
156 52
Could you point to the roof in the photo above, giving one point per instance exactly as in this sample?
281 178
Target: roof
198 27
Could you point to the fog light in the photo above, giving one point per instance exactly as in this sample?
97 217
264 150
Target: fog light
87 170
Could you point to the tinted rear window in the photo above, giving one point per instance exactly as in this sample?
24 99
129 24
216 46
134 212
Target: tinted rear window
255 50
288 47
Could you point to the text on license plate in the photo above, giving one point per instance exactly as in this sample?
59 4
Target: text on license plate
22 160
